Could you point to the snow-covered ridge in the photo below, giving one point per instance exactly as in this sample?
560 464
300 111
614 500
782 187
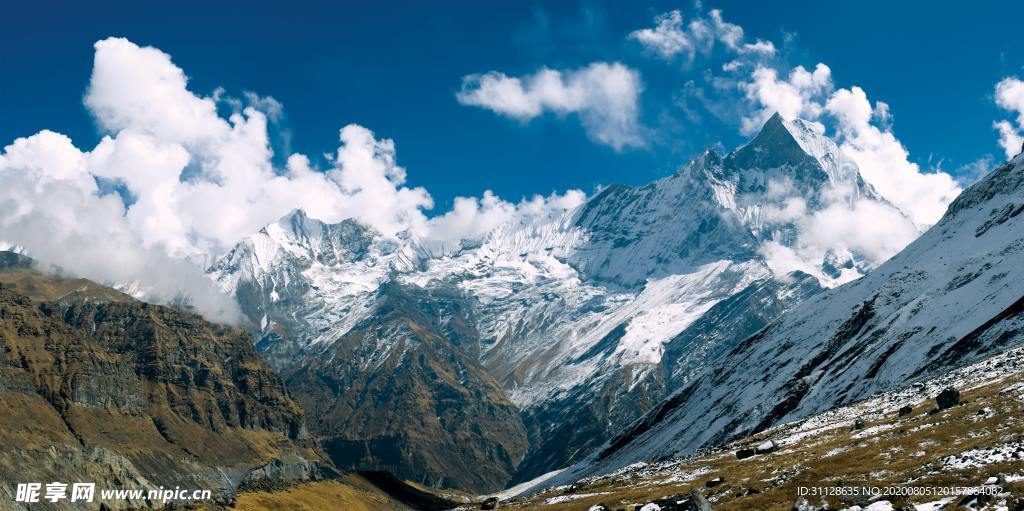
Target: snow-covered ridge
951 297
572 312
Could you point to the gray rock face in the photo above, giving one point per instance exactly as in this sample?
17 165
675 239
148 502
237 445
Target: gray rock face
108 384
948 398
134 396
425 411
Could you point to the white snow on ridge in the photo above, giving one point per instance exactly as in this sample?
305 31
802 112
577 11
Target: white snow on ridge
910 317
569 305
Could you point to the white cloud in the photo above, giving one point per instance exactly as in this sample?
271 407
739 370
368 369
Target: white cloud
883 161
762 47
800 95
864 134
670 37
199 182
667 38
49 206
1010 96
604 96
472 218
863 231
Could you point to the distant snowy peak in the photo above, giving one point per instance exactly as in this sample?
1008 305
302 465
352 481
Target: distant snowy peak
298 240
839 167
583 315
724 208
793 158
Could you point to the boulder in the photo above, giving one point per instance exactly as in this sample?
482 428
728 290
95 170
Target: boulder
714 482
765 447
692 501
905 410
744 453
948 398
858 424
490 503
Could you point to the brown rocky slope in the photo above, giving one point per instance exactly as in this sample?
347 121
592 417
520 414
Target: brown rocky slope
424 410
98 387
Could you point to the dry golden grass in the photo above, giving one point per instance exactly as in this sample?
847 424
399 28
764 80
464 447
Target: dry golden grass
31 284
29 422
350 494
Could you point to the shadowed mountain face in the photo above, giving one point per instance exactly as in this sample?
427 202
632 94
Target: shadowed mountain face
397 394
98 387
585 318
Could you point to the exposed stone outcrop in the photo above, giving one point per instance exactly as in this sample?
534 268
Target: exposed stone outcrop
98 387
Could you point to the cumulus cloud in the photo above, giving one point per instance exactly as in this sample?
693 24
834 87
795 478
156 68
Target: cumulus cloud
884 161
193 183
798 95
670 37
864 133
843 228
604 96
1010 96
51 209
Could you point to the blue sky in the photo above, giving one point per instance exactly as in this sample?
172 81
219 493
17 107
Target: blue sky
396 68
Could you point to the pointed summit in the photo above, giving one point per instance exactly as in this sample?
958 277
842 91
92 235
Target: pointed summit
775 146
800 150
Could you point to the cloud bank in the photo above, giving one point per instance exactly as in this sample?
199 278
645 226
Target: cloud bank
604 96
190 183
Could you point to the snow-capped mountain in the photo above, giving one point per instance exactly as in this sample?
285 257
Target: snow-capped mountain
950 298
300 280
585 318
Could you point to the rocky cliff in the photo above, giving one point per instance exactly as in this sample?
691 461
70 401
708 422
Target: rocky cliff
98 387
401 393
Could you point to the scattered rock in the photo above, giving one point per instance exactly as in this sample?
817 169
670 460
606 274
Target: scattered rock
714 482
975 500
490 503
802 504
948 398
881 505
692 501
765 448
905 410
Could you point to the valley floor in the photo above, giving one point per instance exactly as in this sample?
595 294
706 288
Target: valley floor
977 445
